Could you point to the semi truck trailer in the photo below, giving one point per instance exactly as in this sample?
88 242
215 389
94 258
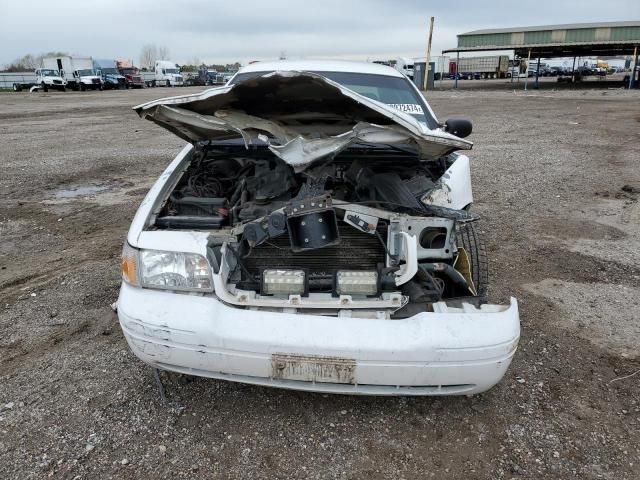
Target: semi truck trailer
494 66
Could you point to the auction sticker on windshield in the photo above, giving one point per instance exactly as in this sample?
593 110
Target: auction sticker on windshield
407 107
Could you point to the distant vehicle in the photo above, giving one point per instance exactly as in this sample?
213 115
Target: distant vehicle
46 78
556 71
215 77
77 71
167 74
585 71
405 65
109 74
533 70
492 66
131 74
201 78
517 68
226 76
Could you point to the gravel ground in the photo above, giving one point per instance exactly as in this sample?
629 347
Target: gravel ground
556 180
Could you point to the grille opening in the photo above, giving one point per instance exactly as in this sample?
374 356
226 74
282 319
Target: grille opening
356 251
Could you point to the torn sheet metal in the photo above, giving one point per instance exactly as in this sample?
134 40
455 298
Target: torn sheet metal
303 116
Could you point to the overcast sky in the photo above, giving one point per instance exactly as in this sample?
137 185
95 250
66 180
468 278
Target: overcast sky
244 30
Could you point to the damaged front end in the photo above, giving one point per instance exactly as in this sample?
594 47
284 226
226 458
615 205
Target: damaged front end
313 198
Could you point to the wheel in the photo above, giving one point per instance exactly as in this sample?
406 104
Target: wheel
153 83
168 83
17 87
469 238
63 88
82 87
45 88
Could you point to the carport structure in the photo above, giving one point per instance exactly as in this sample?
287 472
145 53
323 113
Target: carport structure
554 41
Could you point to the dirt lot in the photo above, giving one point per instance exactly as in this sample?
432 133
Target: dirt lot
557 181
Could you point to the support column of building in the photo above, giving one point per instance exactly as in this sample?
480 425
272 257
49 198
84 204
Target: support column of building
456 72
634 66
526 77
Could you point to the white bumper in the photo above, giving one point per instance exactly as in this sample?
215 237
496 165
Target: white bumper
441 353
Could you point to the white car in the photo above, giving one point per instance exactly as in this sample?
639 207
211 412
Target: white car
314 234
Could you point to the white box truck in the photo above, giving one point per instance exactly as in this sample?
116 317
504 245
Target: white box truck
405 65
167 74
77 71
45 78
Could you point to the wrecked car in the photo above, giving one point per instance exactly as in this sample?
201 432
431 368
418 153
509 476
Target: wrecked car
314 234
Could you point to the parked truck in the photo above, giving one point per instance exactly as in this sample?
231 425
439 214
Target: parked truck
46 78
405 65
131 74
167 74
517 68
493 66
77 71
109 74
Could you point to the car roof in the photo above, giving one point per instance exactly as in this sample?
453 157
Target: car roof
322 66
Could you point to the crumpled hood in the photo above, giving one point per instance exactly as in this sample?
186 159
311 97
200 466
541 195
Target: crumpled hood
302 116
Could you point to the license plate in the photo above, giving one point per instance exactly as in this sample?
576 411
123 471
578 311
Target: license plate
313 368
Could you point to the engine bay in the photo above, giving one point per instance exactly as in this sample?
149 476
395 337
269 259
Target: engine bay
352 225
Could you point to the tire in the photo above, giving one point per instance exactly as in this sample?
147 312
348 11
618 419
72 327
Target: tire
82 87
17 87
469 238
153 83
45 88
168 83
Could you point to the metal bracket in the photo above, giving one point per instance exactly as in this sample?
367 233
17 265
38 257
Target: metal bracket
160 385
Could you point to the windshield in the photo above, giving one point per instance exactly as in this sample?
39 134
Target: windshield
109 70
171 70
49 73
394 91
128 71
85 73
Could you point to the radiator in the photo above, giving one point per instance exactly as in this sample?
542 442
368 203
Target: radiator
356 251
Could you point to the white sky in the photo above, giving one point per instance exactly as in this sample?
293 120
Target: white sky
216 31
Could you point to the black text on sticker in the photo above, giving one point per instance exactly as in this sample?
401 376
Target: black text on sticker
407 107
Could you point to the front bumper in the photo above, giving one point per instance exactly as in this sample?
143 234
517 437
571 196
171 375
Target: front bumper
444 353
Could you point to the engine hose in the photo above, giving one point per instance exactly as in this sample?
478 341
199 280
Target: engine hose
451 273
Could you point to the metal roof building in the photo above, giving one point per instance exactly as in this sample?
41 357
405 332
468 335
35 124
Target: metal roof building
578 39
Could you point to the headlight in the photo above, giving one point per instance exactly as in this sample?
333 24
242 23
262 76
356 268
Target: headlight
166 270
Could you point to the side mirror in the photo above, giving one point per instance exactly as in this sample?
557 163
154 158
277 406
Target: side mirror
460 127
